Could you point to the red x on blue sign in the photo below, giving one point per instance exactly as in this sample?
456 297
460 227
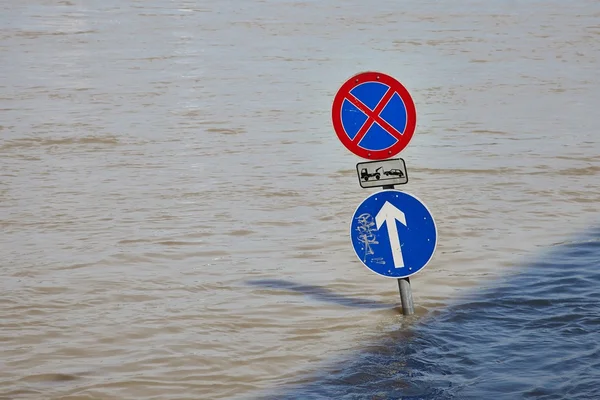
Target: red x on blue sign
374 115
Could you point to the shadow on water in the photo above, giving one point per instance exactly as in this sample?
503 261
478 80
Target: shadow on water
535 335
320 294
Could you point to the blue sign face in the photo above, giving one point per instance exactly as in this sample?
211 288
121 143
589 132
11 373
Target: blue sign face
379 130
393 234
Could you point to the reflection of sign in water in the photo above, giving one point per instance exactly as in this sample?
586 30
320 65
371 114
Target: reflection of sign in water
374 115
381 173
407 242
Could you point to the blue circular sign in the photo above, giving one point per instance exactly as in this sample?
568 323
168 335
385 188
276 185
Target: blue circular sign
393 234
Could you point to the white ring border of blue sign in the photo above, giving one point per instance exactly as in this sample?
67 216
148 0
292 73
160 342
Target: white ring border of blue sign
432 219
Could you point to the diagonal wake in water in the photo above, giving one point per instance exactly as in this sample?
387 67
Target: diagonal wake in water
534 335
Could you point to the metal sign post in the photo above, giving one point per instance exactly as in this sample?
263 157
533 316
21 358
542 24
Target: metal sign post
408 308
392 232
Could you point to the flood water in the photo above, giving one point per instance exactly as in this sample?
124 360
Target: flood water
175 205
534 335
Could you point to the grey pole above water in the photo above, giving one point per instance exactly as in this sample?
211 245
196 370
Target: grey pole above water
408 307
406 299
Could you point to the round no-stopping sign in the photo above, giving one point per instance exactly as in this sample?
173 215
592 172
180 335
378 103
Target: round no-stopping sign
374 115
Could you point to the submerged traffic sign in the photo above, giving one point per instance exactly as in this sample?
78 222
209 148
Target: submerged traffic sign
382 173
393 234
374 115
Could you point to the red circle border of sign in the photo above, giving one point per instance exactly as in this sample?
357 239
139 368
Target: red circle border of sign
411 115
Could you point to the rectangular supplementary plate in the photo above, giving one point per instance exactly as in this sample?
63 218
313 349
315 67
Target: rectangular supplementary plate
382 173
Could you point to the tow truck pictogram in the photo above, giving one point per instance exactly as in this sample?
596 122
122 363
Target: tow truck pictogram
365 175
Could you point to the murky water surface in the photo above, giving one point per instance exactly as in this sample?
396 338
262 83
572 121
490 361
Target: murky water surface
175 206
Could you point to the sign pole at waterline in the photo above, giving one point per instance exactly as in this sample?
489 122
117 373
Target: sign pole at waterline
406 299
393 233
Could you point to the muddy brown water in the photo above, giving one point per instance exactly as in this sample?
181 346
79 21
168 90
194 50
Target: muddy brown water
160 159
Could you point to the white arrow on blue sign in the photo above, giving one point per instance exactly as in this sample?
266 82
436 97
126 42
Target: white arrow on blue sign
393 234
